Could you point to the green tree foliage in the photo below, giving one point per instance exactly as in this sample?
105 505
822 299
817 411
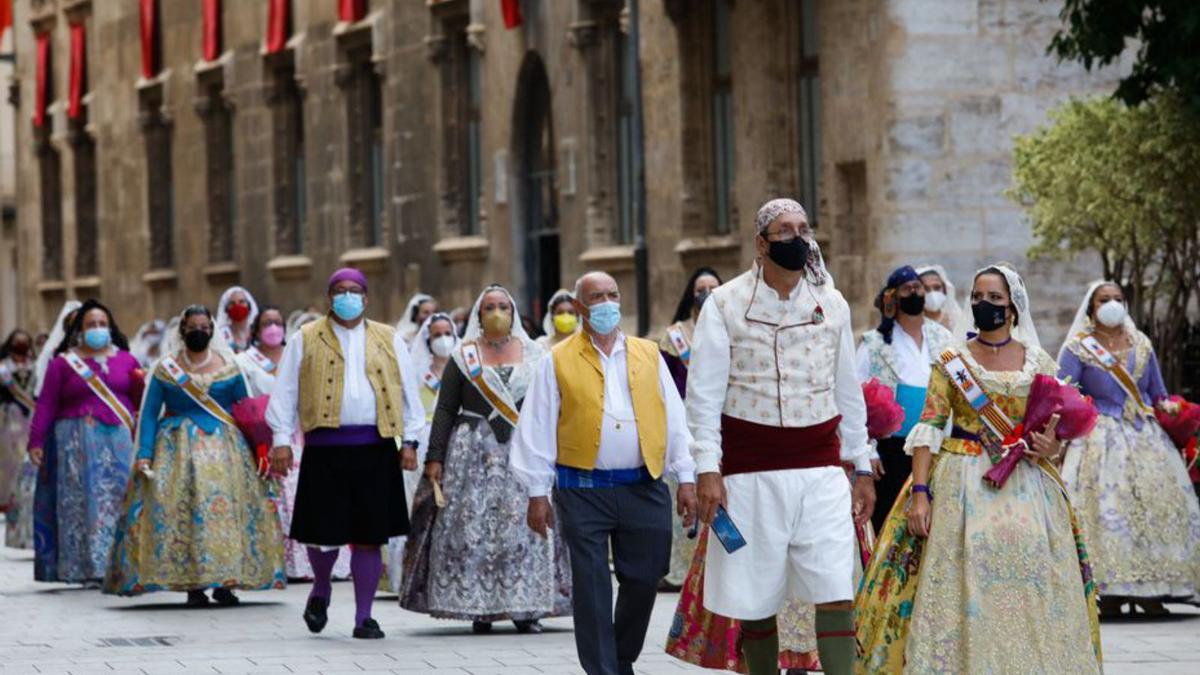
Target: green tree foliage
1122 182
1166 32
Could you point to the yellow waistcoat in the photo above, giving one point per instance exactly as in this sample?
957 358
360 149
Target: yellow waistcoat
581 415
323 374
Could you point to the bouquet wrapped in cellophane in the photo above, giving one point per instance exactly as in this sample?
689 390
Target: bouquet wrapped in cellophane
1181 420
884 415
1074 417
250 414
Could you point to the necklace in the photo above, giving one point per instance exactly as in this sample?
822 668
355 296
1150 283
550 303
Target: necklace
994 345
498 344
196 366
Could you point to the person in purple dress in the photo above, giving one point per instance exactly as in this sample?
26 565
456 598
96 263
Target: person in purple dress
1128 483
81 437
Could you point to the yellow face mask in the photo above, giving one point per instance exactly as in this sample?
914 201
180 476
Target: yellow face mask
565 323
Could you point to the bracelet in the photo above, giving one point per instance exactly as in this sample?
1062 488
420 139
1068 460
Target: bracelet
858 472
921 487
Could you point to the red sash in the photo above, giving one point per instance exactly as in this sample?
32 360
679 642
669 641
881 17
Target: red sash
752 448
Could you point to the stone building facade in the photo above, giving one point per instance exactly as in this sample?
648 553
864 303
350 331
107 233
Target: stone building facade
439 150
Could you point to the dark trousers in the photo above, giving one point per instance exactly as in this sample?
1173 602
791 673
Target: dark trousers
636 520
896 468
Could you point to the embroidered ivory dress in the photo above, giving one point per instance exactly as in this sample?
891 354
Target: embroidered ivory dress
1129 485
1002 584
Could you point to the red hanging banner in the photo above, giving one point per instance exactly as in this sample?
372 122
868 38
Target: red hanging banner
149 30
511 9
41 96
211 16
352 10
5 16
279 21
78 83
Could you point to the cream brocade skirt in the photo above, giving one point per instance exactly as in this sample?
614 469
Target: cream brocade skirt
1000 587
1139 514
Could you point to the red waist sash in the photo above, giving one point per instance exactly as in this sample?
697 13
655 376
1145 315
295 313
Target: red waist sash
751 448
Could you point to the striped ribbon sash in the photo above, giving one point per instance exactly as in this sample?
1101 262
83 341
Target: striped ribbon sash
100 389
180 377
994 419
470 355
682 347
1110 363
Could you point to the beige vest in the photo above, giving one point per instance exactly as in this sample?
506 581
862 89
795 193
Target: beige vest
783 365
323 374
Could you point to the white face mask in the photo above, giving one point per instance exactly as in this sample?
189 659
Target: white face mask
1112 313
442 345
935 300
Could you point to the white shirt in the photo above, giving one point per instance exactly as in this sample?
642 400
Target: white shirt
534 450
258 379
913 364
358 398
788 370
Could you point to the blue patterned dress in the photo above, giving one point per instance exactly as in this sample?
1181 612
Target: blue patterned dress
205 519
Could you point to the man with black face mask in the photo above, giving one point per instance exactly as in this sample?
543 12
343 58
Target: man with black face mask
776 410
901 360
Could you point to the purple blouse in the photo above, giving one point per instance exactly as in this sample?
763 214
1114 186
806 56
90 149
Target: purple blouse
1108 396
66 396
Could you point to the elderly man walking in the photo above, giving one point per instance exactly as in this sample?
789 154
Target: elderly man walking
776 409
350 385
601 422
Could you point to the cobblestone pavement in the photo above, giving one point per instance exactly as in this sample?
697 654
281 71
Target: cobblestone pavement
52 628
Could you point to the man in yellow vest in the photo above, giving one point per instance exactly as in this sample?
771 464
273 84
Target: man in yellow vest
348 384
601 422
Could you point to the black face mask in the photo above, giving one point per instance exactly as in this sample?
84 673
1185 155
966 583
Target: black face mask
698 301
989 317
20 349
790 255
913 305
197 340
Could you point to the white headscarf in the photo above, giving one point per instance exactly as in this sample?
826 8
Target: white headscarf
141 344
422 357
1084 323
298 319
1025 331
56 337
952 311
475 328
559 296
223 322
407 326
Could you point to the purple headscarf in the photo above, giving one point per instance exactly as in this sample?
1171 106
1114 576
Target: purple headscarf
348 274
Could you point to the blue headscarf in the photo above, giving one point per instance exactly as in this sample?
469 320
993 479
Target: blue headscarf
886 300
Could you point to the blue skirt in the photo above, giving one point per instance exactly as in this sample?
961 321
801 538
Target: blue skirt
79 498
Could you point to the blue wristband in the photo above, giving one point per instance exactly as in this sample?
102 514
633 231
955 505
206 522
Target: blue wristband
921 487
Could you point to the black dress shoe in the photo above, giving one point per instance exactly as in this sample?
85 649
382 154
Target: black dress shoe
369 630
316 614
225 597
197 599
481 627
529 626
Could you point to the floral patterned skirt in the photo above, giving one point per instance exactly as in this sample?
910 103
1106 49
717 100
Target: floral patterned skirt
682 548
14 430
1138 511
476 558
1001 585
206 520
709 640
80 492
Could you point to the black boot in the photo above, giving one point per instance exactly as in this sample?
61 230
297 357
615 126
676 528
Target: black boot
481 627
225 597
197 599
528 626
316 614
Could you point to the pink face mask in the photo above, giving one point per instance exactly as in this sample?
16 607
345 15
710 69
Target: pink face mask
271 336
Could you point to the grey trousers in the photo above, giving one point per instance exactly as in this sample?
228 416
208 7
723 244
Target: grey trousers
636 519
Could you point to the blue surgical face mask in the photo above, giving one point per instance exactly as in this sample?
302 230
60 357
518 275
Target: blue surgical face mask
604 317
348 306
97 338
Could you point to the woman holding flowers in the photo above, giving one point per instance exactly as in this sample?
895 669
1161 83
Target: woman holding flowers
1126 478
968 576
